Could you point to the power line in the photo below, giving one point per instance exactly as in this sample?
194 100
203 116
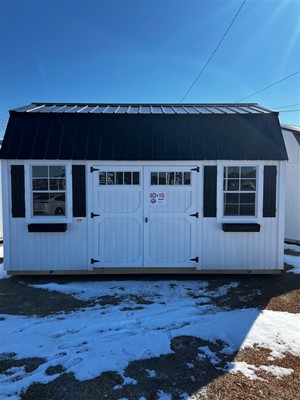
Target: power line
291 105
267 87
290 111
213 53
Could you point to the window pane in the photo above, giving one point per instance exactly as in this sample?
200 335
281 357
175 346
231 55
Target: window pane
102 178
248 184
127 178
119 178
39 172
57 184
231 209
247 209
40 184
40 203
178 178
187 178
231 184
247 198
231 198
154 180
233 172
170 178
57 203
162 178
110 178
57 171
248 172
136 178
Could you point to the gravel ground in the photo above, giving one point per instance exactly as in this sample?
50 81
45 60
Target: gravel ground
177 373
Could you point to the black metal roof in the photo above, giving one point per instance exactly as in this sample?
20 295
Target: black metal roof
145 132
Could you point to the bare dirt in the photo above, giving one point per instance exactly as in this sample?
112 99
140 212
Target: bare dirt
177 373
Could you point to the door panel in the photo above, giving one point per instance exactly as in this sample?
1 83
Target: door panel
117 231
170 233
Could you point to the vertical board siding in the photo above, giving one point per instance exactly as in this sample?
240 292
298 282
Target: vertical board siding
292 206
269 200
210 191
48 251
219 250
239 250
79 190
17 191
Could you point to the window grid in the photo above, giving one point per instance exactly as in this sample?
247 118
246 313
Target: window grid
239 187
170 178
48 185
119 178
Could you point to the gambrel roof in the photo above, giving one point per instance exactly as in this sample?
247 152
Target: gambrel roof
143 132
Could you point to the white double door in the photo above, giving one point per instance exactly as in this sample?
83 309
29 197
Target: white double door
144 216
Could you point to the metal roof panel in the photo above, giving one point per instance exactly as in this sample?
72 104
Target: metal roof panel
149 137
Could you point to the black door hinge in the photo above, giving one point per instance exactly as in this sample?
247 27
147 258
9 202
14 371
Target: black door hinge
94 261
197 169
195 215
92 169
94 215
196 259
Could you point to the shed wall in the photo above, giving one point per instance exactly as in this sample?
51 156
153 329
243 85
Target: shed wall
217 250
292 210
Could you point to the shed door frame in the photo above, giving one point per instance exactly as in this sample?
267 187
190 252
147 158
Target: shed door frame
145 212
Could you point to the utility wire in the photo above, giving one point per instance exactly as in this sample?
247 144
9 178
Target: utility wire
290 111
291 105
267 87
213 53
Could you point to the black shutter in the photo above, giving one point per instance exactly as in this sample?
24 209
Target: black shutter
210 191
269 204
17 191
79 192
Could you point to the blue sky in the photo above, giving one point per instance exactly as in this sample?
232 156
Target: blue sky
149 51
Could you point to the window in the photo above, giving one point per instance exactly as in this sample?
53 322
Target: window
48 190
119 178
239 187
170 178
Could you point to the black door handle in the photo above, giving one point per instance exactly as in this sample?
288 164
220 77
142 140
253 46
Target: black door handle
146 219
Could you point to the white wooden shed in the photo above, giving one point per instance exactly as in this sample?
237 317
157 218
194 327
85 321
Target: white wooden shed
291 135
143 188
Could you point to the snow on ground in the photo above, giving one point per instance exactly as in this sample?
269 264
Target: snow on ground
90 341
292 260
93 340
249 370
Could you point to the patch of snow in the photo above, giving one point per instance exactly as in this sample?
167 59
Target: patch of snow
129 381
248 370
149 290
294 261
3 274
276 331
292 247
161 395
279 372
190 365
151 373
209 354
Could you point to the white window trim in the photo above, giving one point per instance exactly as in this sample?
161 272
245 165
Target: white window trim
240 219
50 219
